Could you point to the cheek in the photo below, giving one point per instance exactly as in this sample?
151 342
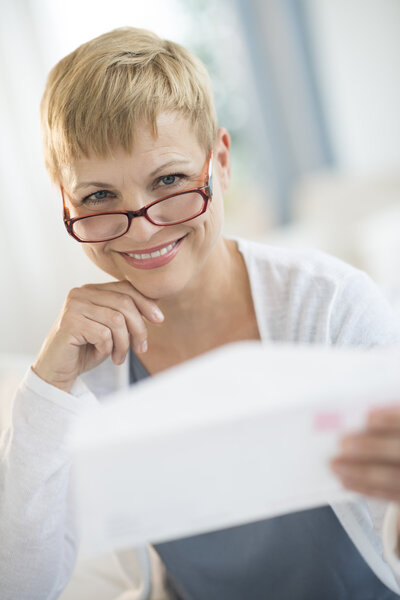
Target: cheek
216 213
98 255
217 203
211 221
212 226
91 252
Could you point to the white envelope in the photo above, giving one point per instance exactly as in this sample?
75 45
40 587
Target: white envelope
240 434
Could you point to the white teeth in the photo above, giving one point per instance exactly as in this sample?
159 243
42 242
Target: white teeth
154 254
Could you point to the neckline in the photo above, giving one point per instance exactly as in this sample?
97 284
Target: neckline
242 247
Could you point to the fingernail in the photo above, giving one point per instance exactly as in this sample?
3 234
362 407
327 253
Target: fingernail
142 347
157 314
118 360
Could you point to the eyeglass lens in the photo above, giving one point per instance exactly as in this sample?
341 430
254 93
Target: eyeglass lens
101 227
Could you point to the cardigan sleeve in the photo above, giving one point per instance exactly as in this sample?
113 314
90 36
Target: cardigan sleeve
361 316
38 540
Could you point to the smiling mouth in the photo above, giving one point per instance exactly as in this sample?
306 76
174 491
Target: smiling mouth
159 251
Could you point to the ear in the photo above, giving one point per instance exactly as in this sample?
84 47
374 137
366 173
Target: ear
222 163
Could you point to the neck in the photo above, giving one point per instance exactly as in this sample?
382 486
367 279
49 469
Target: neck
209 286
216 309
202 303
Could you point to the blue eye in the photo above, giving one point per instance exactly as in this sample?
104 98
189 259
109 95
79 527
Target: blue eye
168 179
97 198
100 195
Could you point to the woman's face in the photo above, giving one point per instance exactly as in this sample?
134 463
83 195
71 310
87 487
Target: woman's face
131 181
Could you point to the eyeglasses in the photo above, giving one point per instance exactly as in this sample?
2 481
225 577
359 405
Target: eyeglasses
166 211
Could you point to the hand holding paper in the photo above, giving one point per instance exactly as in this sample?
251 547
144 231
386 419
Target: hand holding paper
369 462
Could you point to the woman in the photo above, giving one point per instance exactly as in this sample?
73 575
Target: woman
130 137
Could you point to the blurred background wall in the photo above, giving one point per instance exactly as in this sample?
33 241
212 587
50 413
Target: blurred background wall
309 89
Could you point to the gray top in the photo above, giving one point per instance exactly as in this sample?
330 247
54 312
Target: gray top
301 556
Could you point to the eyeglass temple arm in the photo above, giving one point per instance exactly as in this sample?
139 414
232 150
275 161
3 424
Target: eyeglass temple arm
210 174
66 212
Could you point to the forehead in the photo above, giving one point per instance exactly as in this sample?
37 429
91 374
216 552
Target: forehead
175 140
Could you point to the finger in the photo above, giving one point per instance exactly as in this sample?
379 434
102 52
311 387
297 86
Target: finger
97 335
147 306
385 418
379 447
123 320
115 322
370 475
384 494
125 305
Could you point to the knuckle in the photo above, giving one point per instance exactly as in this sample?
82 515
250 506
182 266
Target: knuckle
105 334
127 303
117 319
81 291
106 348
73 293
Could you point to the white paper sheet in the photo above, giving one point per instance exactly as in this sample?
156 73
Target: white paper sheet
240 434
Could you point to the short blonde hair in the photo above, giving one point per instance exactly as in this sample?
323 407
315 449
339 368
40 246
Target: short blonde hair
96 96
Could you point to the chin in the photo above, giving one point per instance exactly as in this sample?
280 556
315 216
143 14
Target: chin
159 285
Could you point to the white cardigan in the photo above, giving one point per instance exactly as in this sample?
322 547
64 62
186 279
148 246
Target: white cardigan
299 296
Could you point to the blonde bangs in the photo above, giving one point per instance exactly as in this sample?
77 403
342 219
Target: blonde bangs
96 97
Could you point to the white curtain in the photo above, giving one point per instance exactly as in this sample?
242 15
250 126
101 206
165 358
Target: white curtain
39 263
28 252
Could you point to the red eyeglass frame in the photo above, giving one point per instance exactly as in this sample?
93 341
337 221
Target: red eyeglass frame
206 191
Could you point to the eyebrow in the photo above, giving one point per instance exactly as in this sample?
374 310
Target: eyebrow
89 183
103 184
183 161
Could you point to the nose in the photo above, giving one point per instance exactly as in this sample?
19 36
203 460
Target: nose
141 230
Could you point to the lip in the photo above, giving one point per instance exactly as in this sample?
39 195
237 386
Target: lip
149 250
153 263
